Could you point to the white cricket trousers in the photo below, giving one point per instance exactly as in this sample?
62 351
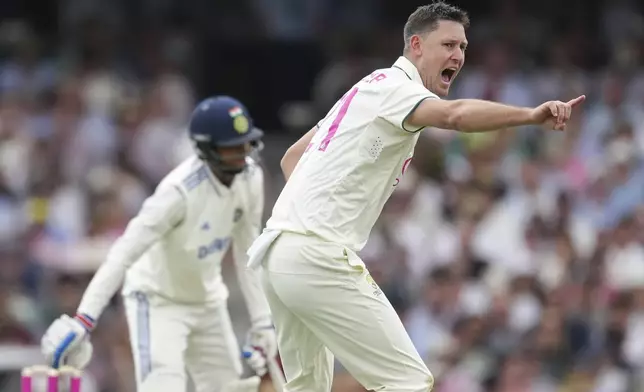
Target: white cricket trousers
325 303
170 341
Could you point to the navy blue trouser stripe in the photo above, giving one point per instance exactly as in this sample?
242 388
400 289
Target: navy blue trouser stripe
143 334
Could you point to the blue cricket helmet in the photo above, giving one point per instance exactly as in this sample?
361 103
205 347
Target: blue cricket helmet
222 121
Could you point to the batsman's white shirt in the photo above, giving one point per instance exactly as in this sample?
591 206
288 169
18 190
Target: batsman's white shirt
355 160
173 248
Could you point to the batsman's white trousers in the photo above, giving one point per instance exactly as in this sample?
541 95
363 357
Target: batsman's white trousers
325 303
170 341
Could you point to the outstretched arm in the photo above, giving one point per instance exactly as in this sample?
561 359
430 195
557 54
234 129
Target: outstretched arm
473 115
65 341
412 107
160 213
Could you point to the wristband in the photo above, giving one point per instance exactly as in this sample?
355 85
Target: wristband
86 321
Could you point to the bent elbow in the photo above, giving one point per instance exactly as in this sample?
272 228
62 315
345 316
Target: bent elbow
283 161
288 157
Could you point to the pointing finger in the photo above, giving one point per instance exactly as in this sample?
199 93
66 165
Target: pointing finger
574 102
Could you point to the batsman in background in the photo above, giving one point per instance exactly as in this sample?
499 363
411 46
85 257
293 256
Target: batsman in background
169 262
339 176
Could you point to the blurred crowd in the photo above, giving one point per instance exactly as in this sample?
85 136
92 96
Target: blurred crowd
82 144
515 258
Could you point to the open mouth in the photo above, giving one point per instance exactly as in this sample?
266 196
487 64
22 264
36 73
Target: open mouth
448 74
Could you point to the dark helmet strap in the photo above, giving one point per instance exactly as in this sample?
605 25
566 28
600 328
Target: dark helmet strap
208 153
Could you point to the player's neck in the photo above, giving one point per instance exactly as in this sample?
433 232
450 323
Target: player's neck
412 60
224 178
415 62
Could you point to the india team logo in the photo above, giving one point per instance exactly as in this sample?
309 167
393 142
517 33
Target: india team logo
238 215
240 122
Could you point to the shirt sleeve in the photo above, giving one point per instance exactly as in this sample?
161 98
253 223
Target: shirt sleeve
400 103
246 231
160 213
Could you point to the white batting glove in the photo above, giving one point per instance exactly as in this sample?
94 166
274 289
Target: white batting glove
261 343
66 342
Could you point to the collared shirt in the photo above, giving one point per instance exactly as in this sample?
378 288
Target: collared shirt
174 247
357 157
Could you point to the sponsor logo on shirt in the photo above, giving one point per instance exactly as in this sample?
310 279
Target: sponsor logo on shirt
217 245
403 170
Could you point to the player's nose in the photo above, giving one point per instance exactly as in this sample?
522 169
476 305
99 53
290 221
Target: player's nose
457 57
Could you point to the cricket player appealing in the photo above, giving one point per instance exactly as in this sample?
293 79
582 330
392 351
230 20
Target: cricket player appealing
169 261
339 175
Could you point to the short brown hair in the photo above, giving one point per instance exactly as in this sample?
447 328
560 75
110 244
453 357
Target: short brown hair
426 18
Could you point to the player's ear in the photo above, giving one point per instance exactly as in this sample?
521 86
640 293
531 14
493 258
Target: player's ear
416 44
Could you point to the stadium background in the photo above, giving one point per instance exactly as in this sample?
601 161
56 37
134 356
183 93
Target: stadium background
516 259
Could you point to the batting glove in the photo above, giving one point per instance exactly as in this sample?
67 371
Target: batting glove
66 342
261 343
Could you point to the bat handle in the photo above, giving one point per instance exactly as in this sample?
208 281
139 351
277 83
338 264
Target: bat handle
277 377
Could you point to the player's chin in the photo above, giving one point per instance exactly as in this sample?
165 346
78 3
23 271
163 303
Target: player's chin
229 167
236 168
237 162
441 90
